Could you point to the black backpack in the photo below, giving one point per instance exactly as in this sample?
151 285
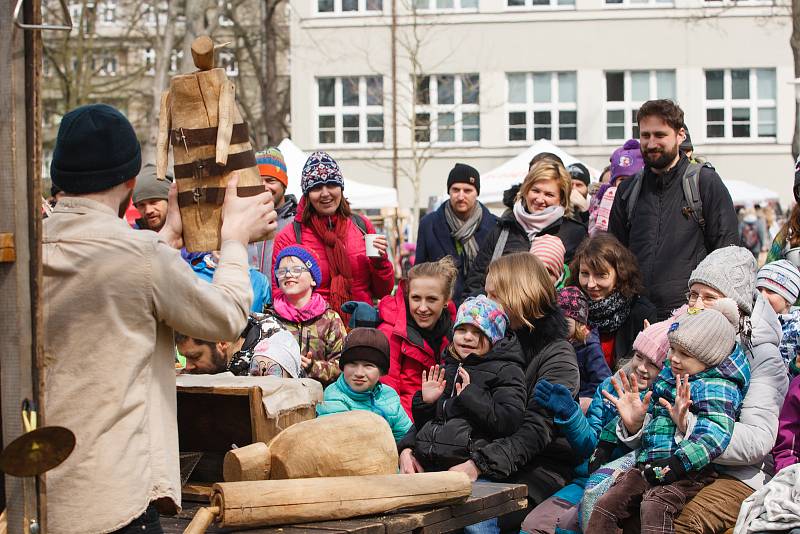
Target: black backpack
691 193
357 220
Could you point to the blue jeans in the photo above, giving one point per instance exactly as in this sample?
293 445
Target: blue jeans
147 523
489 526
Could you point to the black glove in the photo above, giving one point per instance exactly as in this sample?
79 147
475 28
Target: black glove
601 455
664 471
361 314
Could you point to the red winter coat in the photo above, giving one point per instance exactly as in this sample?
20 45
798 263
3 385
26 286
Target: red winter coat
372 279
407 358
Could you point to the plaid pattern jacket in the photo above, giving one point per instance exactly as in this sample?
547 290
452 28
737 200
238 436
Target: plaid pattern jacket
716 395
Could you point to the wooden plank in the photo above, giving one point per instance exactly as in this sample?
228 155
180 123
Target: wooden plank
353 526
460 522
217 390
196 493
488 495
411 521
258 417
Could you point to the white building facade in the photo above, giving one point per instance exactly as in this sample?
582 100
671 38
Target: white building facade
493 76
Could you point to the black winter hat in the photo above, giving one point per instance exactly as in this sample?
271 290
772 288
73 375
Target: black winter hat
96 149
464 174
687 143
366 344
578 171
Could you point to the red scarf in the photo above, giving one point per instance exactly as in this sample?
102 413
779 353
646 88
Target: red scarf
333 233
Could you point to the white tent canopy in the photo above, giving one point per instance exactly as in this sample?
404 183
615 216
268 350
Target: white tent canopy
513 171
360 195
746 194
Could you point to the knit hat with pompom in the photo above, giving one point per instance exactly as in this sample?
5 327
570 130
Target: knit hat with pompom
707 335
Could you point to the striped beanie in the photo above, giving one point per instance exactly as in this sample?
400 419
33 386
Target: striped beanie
270 163
780 277
550 250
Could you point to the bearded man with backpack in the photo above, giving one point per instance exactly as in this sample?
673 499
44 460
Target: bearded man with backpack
675 212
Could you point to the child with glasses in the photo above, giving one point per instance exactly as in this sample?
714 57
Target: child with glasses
318 329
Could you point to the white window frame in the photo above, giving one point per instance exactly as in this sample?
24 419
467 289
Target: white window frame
339 110
156 16
108 65
728 103
555 107
457 108
108 12
149 61
553 5
628 105
224 7
631 4
338 12
227 60
175 60
431 7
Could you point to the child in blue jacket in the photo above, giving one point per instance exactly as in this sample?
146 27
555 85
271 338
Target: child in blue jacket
583 431
364 359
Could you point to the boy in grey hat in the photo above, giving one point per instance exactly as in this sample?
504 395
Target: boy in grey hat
779 284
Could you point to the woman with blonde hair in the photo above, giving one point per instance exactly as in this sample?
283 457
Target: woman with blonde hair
536 454
540 206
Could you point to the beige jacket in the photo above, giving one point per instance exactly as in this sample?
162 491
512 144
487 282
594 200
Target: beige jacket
112 297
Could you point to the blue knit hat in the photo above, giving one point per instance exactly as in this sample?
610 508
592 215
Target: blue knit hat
484 314
306 256
320 168
96 149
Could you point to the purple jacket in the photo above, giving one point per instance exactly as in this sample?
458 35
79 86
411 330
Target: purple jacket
591 364
787 447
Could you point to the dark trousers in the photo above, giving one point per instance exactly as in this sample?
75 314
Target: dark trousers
657 506
147 523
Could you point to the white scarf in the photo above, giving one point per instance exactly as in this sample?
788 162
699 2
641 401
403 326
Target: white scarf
534 223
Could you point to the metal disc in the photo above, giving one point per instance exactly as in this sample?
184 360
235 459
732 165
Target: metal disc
37 451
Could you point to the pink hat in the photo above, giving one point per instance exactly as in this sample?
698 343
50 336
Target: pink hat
652 342
550 250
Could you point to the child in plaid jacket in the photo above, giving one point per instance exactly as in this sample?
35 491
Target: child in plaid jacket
679 427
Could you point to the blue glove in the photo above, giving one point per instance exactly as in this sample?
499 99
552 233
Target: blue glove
555 398
361 314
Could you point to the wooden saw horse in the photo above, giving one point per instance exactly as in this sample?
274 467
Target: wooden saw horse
210 141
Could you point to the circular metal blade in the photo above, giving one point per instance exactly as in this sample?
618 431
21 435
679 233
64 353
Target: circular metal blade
37 451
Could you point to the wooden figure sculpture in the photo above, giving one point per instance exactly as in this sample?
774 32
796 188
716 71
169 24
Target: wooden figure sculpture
200 119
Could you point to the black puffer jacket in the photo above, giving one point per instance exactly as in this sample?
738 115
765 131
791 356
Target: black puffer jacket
537 451
492 406
571 232
668 243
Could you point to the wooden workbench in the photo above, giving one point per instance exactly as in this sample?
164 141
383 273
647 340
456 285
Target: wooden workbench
488 500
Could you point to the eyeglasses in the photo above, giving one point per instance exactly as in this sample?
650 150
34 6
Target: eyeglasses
295 271
692 297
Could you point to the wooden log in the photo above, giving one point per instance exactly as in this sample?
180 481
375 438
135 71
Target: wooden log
332 446
278 502
162 141
251 462
227 101
202 520
203 52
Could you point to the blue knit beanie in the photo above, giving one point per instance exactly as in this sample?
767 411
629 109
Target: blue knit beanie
303 255
96 149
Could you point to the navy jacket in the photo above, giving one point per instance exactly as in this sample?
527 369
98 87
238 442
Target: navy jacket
434 241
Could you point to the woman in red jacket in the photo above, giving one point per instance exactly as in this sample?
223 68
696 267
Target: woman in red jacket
325 224
417 321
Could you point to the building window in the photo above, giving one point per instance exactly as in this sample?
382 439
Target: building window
350 110
740 104
626 92
638 3
445 5
108 11
149 60
175 60
105 65
542 105
227 61
447 109
225 9
349 6
540 3
156 15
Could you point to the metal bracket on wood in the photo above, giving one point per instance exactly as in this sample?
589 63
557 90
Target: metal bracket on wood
58 27
8 253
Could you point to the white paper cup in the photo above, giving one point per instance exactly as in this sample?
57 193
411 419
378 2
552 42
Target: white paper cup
372 250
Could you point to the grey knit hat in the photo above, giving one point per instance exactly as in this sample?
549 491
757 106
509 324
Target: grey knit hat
732 272
148 187
781 277
708 335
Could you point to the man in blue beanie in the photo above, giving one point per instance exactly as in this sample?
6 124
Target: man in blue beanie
113 296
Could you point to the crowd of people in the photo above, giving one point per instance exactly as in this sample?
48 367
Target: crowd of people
615 348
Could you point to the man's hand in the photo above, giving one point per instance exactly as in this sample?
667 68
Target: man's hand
408 464
246 219
679 411
631 408
432 384
469 468
172 231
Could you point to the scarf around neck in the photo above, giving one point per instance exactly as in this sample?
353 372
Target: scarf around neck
433 336
315 307
609 314
534 223
463 231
